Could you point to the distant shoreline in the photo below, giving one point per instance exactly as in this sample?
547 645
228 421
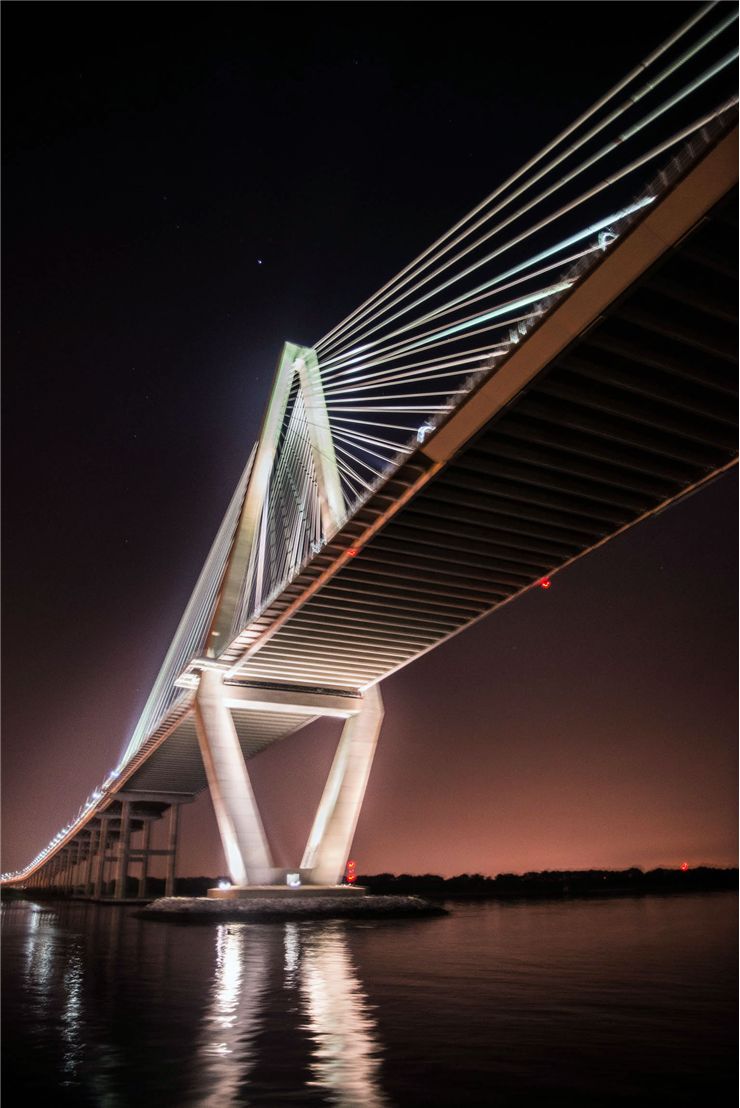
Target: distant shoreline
545 884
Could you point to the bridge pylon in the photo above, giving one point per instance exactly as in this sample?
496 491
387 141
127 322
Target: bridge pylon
333 829
246 849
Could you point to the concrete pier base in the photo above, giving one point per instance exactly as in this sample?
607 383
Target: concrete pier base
350 904
285 892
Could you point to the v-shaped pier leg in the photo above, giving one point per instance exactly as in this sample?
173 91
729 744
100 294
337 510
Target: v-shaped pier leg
242 834
333 829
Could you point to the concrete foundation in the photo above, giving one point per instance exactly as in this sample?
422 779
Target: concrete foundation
285 892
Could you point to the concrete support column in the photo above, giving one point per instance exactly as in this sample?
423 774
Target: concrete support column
76 858
123 850
174 830
87 877
60 870
102 847
145 860
333 829
244 841
74 853
81 864
65 874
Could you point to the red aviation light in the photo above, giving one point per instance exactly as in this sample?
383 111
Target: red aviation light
545 583
353 552
684 866
351 873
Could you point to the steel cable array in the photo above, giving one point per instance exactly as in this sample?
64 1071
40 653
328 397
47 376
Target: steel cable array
402 361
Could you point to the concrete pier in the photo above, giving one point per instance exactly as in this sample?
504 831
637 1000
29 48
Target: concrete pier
285 892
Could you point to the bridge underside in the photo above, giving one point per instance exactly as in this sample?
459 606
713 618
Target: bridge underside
177 765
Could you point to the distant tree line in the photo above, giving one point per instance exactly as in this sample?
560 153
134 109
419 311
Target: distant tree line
553 883
546 883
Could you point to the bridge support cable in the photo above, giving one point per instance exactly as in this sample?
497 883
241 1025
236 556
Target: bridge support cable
370 383
247 852
189 639
447 242
331 505
356 360
330 839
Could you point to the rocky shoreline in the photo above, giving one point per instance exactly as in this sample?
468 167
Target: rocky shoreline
183 909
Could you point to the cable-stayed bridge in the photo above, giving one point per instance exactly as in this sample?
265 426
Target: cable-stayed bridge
556 367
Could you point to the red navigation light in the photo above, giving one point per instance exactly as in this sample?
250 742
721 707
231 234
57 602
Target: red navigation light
684 866
353 552
351 873
545 583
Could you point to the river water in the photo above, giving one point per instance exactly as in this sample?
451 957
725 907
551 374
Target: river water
581 1002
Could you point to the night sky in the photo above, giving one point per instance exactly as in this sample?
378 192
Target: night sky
186 187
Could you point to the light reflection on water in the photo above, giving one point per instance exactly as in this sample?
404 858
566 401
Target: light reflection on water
342 1037
345 1059
234 1017
72 1030
608 1003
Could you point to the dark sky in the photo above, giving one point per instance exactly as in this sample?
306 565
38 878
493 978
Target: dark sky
186 187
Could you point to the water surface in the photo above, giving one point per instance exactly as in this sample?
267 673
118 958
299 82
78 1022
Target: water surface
581 1002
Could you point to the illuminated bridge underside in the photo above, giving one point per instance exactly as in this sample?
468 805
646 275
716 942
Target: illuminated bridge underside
628 416
177 765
